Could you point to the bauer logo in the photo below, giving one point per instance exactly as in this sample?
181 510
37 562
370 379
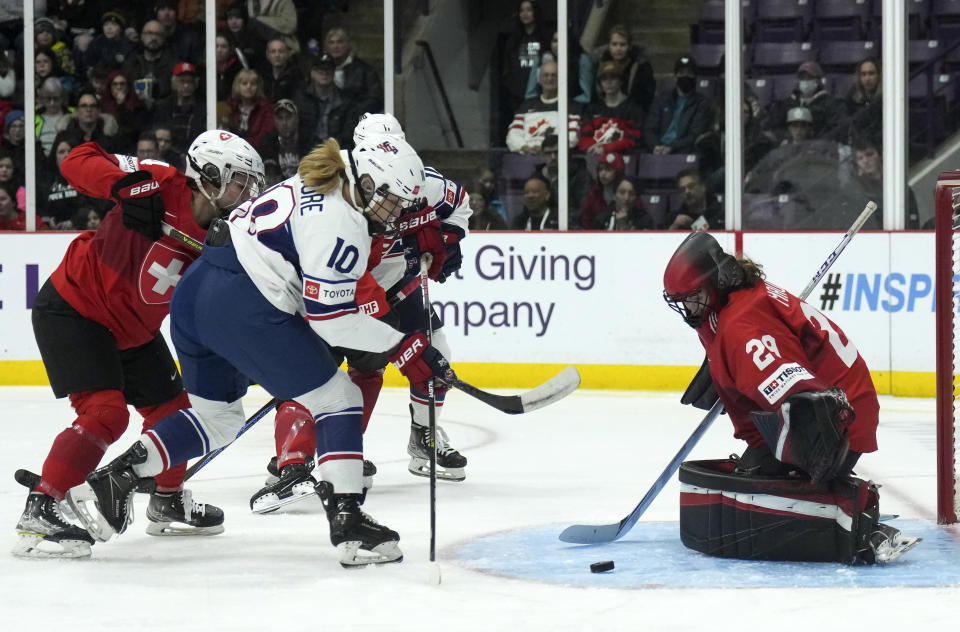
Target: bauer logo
311 289
780 381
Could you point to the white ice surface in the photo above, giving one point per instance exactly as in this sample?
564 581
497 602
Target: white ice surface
586 459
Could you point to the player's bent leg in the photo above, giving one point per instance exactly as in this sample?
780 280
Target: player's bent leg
296 441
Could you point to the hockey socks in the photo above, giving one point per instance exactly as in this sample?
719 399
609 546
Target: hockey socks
170 480
173 440
369 385
340 449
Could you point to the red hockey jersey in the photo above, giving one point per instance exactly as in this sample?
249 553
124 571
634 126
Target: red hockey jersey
767 344
115 276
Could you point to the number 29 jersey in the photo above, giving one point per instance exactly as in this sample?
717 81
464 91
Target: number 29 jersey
767 344
305 252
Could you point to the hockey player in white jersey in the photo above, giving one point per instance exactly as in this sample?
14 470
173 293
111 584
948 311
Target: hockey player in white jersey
438 228
275 285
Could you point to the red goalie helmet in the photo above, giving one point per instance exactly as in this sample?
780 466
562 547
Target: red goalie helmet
699 278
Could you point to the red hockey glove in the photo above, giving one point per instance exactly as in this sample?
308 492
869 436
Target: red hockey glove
453 258
420 361
420 233
139 197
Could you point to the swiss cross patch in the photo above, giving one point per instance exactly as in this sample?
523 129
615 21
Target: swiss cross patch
225 135
161 270
386 146
311 289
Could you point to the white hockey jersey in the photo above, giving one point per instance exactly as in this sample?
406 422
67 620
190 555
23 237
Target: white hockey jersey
452 205
305 252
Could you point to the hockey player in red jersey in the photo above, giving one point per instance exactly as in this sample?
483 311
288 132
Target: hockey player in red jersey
97 322
794 385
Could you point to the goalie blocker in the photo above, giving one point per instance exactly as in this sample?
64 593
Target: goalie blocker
725 513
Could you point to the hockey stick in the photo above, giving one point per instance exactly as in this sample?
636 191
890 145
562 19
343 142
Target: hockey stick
425 260
181 236
598 534
209 456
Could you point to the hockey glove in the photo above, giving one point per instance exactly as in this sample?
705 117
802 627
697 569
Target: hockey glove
701 393
419 361
420 233
809 431
139 197
453 258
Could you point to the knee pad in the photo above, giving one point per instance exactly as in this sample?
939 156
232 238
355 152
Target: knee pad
101 415
788 518
220 421
336 394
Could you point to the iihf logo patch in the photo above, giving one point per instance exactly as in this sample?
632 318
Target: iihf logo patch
386 146
311 289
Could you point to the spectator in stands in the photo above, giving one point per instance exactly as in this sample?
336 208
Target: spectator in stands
810 93
612 123
864 101
680 116
152 66
269 19
228 65
251 113
51 98
538 212
625 212
168 153
183 111
578 181
354 77
8 81
46 35
87 217
57 201
867 183
14 134
536 116
528 37
120 100
47 65
110 46
483 217
580 72
699 211
271 173
281 77
325 112
11 217
8 170
241 42
799 126
638 80
89 124
284 144
487 185
185 41
147 147
609 173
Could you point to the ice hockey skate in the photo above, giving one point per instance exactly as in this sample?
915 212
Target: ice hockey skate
887 544
45 533
450 463
104 504
358 537
294 483
167 514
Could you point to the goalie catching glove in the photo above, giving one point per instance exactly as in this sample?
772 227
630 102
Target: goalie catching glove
420 233
139 197
419 361
809 431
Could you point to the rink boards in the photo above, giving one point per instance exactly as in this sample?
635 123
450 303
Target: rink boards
527 304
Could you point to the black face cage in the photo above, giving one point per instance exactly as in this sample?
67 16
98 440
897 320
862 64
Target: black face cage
680 304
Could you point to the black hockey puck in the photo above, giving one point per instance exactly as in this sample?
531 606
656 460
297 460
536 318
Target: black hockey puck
601 567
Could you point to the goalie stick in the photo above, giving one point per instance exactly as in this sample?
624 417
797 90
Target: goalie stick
599 534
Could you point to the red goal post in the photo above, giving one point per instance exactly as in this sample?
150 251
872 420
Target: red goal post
947 271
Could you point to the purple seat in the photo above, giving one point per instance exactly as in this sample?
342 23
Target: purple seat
762 88
836 57
657 206
709 28
839 20
839 84
655 171
780 58
782 20
921 52
783 85
709 58
947 31
939 87
918 13
944 11
707 86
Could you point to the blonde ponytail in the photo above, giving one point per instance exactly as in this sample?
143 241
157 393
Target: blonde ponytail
321 168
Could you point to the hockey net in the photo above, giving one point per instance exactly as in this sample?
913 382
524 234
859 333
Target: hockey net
948 344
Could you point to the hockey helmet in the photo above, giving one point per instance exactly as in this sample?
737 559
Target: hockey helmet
377 125
389 175
219 160
699 278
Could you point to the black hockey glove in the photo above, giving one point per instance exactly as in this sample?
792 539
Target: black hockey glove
451 247
701 393
139 197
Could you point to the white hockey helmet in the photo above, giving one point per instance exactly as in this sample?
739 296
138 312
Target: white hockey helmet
377 125
218 158
389 176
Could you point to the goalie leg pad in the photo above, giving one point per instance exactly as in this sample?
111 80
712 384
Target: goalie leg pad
726 514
